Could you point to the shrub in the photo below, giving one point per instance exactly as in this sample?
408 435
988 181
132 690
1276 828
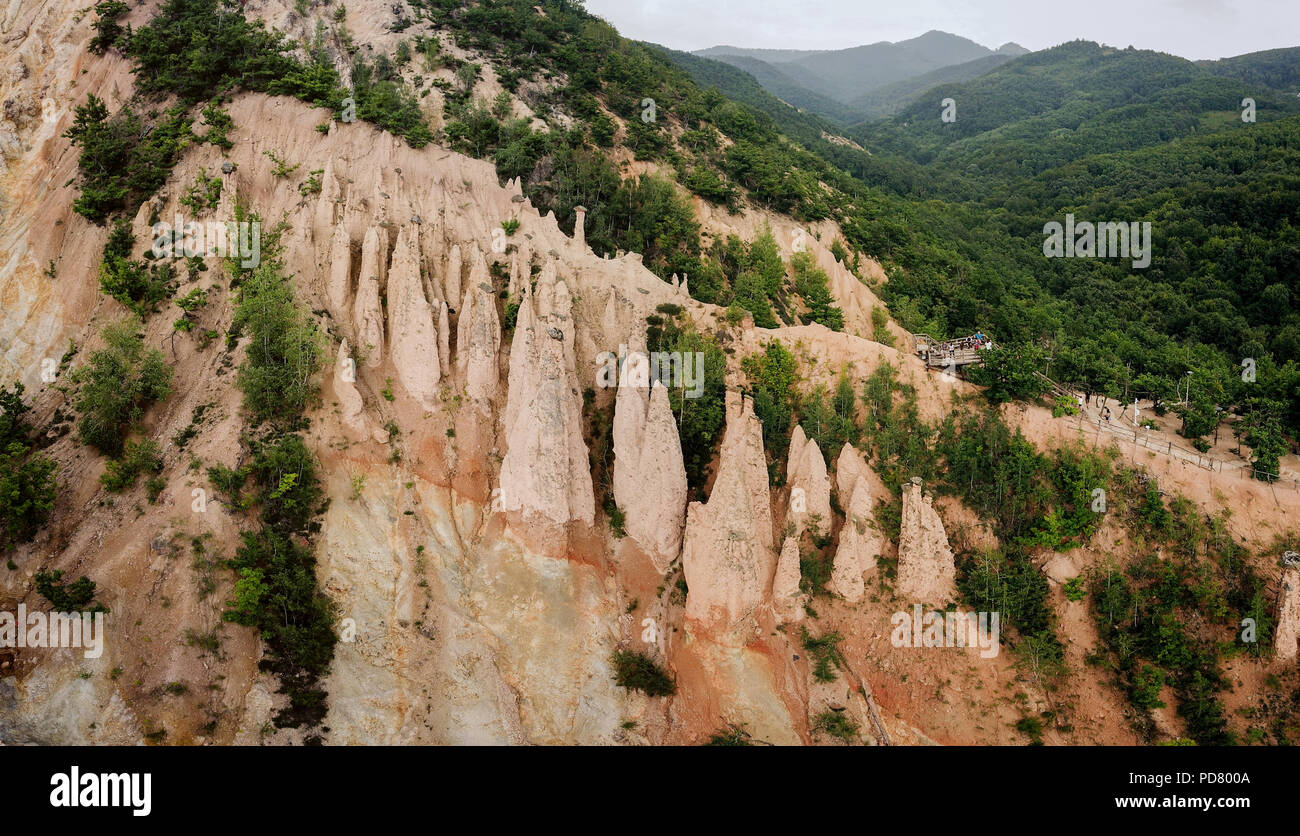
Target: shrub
284 354
219 126
204 193
772 376
108 32
636 670
813 285
67 597
27 493
137 285
122 160
837 724
825 653
729 735
116 386
141 457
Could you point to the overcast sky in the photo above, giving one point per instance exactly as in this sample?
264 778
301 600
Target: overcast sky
1191 28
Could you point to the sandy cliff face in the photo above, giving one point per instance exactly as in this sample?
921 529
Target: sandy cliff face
480 593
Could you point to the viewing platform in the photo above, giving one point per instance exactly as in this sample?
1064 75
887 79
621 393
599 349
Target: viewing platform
947 354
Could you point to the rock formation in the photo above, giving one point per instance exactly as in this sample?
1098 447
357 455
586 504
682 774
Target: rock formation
345 389
367 310
926 572
810 486
545 471
478 337
340 272
413 338
787 601
727 550
451 282
858 546
848 467
649 473
1287 633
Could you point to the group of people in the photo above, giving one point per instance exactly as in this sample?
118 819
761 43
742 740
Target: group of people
1103 406
975 342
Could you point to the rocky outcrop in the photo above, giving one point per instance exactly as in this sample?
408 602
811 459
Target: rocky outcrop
451 282
848 467
340 272
478 337
858 546
414 340
810 486
545 473
444 340
351 407
1287 634
649 473
367 310
787 601
727 551
926 572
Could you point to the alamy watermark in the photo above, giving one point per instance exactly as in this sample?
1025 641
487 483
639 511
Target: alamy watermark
675 369
947 629
1109 239
56 629
241 240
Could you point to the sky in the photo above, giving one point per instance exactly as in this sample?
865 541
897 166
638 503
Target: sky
1193 29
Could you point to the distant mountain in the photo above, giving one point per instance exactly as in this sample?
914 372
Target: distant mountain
1013 49
783 81
891 98
809 78
1048 108
776 56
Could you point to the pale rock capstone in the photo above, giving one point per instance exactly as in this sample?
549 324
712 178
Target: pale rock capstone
727 551
926 572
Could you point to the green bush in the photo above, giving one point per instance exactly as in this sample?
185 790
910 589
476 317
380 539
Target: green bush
118 383
108 32
825 653
813 285
203 194
141 457
772 375
137 285
123 160
284 353
27 493
637 671
77 596
837 724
